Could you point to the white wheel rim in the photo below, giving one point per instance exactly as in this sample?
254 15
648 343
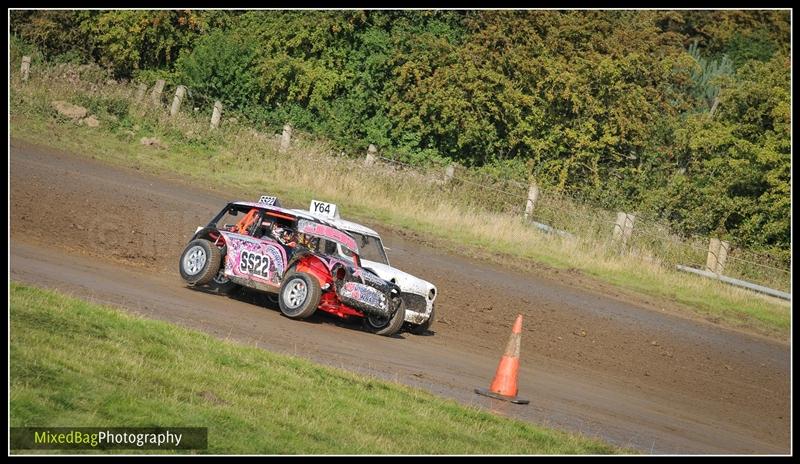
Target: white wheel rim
295 293
194 260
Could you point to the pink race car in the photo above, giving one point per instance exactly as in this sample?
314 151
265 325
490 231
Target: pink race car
305 260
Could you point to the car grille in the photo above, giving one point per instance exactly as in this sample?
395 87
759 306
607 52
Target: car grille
414 302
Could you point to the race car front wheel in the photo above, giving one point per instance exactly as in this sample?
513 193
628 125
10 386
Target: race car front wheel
299 296
200 262
387 325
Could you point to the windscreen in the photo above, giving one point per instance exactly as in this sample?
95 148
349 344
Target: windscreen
370 248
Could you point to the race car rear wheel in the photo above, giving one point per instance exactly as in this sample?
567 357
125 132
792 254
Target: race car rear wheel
200 262
387 326
419 329
299 295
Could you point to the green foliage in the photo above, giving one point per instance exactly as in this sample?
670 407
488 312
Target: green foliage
150 76
128 40
69 57
722 31
19 47
708 74
53 32
736 167
754 46
220 67
117 107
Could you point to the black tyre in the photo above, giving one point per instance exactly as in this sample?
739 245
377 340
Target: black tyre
222 285
299 296
420 329
200 262
387 326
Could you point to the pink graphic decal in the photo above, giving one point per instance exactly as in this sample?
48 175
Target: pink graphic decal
364 294
321 230
331 261
251 258
351 291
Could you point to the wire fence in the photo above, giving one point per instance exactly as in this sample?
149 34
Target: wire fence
649 236
561 212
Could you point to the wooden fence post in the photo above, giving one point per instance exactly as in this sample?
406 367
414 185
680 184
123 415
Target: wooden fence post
717 255
140 92
25 67
286 138
623 227
449 172
713 252
722 257
216 114
370 159
629 220
533 196
180 92
157 90
619 226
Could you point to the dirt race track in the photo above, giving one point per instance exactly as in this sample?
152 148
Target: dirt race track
619 369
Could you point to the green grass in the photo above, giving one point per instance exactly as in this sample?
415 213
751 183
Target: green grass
241 162
77 364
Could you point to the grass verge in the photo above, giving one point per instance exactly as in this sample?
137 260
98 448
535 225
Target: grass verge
75 364
240 160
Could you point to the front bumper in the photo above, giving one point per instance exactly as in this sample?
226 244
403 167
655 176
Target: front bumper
418 307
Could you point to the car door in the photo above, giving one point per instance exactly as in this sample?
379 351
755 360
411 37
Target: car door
254 261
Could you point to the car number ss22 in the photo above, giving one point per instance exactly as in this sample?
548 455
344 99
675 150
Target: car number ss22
254 263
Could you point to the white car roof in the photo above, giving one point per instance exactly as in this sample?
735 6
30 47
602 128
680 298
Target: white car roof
297 212
343 224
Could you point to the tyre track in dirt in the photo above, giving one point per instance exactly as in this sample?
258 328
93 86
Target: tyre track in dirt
626 372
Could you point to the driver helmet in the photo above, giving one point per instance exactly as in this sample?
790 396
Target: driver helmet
283 235
288 237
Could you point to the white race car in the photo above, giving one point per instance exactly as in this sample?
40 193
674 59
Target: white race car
418 295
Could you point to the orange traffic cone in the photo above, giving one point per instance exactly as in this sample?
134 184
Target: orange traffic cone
504 385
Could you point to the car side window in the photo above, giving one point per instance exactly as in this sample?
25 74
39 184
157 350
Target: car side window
264 230
330 247
248 223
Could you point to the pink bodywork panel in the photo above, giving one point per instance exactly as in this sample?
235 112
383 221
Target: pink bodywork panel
265 259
